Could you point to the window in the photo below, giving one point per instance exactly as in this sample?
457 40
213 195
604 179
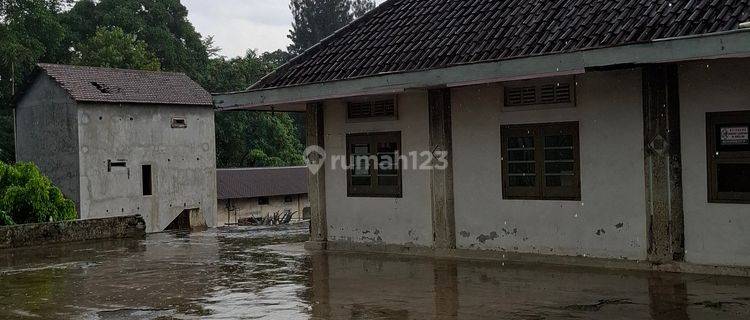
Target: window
372 109
179 123
374 168
541 162
535 94
116 164
148 188
728 157
288 199
262 201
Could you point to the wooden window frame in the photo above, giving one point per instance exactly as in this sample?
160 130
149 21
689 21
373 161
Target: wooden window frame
716 157
373 190
540 191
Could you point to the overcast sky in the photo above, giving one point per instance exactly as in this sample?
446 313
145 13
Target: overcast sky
239 25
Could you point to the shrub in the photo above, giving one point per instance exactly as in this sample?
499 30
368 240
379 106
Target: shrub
26 196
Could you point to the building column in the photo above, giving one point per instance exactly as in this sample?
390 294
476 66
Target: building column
316 179
443 219
663 163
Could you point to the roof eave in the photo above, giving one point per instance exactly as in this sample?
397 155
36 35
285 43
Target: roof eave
728 44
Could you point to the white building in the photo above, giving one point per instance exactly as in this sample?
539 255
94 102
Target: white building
122 142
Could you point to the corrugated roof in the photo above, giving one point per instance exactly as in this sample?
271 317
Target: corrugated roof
261 182
414 35
105 85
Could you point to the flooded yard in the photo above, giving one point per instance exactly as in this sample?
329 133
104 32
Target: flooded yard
262 274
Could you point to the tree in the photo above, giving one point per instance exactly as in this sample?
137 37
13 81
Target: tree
315 20
27 196
30 31
361 7
162 24
113 48
251 139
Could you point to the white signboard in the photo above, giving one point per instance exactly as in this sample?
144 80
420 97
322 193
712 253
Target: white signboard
735 136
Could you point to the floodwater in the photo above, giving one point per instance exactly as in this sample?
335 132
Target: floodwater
251 274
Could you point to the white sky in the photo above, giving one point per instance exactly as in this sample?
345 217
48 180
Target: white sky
239 25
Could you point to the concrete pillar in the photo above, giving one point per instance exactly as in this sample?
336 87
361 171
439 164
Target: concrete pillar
316 180
663 163
443 219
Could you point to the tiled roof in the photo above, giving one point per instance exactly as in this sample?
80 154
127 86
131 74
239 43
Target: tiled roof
413 35
89 84
261 182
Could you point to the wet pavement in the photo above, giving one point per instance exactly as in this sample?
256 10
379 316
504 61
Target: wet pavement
263 274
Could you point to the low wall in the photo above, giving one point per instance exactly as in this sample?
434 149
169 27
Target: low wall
27 235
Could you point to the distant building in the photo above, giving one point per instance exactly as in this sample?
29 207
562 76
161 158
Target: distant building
261 192
122 142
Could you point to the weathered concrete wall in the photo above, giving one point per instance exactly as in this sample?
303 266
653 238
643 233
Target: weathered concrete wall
609 222
714 233
47 134
377 221
27 235
246 207
183 162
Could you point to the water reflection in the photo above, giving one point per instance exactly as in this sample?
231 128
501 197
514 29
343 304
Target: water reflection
226 274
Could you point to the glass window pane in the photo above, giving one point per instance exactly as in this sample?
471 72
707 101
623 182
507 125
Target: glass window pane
559 161
361 160
734 177
520 142
387 159
522 181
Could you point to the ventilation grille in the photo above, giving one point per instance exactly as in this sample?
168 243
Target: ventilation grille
542 94
372 109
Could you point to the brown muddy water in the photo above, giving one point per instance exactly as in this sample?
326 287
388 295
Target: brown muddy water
244 274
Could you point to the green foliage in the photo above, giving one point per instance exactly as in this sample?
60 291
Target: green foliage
316 19
113 48
256 139
26 196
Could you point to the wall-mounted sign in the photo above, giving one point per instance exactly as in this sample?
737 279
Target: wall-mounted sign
735 136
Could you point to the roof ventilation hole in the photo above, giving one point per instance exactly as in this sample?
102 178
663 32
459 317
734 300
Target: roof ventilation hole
102 88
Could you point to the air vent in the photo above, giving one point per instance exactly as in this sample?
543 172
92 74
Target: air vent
550 93
372 109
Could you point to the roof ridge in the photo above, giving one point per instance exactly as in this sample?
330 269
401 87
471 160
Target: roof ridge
70 66
325 40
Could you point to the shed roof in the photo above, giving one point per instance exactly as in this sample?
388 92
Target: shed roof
260 182
106 85
415 35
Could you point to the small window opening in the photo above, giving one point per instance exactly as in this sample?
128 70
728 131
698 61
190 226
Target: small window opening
116 164
179 123
262 201
147 181
288 199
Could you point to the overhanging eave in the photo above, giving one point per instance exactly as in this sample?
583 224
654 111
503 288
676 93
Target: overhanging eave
710 46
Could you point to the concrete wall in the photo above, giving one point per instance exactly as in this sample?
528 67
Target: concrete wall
377 221
183 162
38 234
248 207
47 134
715 233
609 222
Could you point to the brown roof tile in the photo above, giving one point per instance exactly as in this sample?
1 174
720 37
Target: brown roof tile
261 182
90 84
413 35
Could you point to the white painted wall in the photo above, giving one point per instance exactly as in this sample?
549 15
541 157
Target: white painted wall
715 233
609 222
249 207
403 221
183 162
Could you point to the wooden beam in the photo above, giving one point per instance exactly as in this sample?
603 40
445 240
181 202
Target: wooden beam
663 163
719 45
441 141
316 180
